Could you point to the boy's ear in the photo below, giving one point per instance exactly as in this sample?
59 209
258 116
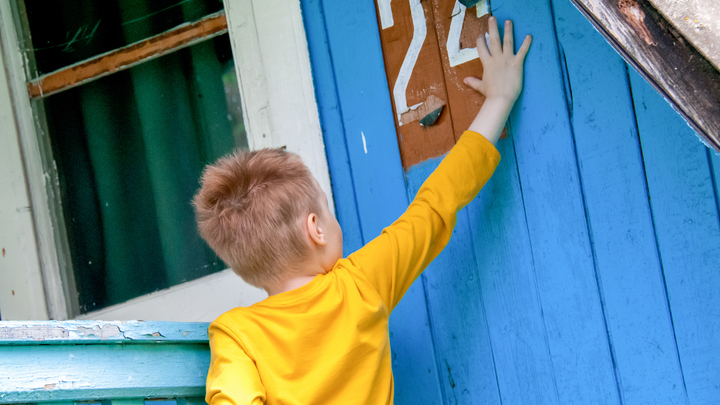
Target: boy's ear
315 232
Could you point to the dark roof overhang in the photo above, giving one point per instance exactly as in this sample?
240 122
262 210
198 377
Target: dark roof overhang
681 69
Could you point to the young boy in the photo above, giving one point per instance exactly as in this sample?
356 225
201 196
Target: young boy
321 337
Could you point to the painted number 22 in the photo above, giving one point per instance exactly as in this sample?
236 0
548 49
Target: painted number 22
456 56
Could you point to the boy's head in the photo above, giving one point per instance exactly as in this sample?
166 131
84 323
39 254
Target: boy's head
261 211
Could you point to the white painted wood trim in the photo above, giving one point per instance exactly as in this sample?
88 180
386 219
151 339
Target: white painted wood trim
22 295
250 72
200 300
45 253
273 63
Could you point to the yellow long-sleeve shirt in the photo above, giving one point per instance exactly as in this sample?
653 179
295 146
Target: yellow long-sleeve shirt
327 342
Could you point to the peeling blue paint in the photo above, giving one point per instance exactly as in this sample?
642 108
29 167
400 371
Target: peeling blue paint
15 332
89 360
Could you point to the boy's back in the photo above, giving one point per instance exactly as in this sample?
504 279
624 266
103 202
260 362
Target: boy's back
327 341
323 343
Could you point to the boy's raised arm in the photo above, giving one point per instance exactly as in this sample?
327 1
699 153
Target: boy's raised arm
393 260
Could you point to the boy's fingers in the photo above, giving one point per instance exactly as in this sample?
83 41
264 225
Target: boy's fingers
473 82
482 48
508 46
524 47
495 46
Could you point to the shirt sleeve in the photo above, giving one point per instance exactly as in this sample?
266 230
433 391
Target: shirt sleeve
233 378
392 261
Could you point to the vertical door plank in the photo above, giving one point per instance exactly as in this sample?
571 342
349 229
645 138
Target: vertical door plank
413 357
622 233
509 290
332 126
362 92
555 212
457 315
414 73
465 101
685 213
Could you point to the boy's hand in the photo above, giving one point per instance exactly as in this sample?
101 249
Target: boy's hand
502 69
501 82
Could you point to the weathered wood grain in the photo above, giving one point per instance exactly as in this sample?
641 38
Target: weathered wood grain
685 215
126 57
655 49
698 21
627 264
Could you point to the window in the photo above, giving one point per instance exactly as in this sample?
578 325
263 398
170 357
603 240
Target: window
129 147
128 107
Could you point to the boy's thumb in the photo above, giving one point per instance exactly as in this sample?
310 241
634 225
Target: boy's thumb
473 82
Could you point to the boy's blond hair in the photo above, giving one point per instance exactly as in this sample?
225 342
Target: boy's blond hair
251 210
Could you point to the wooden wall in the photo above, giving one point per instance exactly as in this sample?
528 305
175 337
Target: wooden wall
588 269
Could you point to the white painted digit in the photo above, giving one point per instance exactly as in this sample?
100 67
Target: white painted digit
481 8
456 55
386 17
419 33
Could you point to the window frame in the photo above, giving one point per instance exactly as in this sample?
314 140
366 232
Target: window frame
279 109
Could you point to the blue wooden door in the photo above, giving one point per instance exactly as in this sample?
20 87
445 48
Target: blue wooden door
588 269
